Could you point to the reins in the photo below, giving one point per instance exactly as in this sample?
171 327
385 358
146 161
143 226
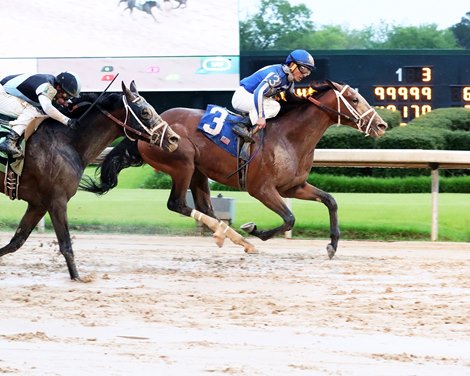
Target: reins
356 117
150 135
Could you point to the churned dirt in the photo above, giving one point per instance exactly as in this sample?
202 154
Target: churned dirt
158 305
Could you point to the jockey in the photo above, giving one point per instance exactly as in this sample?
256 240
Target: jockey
25 96
256 92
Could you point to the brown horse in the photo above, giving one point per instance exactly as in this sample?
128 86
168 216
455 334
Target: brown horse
56 157
279 166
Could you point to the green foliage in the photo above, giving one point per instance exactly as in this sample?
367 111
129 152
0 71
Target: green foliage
461 31
447 118
332 37
158 180
342 137
420 37
415 184
413 138
457 140
275 27
273 23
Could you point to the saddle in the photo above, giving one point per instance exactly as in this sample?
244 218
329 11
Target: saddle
10 166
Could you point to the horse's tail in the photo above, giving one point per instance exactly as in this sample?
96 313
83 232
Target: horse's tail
124 155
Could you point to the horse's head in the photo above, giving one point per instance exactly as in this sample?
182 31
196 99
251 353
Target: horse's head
146 120
353 109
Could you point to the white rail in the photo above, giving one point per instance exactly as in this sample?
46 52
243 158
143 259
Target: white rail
399 158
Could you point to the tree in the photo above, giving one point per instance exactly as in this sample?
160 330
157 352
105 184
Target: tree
461 31
420 37
276 20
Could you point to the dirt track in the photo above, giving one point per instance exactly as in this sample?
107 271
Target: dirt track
181 306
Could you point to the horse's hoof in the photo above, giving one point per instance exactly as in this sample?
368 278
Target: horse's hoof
219 240
251 250
331 251
248 227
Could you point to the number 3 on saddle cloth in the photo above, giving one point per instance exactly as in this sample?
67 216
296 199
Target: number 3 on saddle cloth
10 166
216 124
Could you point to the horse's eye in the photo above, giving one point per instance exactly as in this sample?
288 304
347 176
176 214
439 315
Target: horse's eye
146 113
355 100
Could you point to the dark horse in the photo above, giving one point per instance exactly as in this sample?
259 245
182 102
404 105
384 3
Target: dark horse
279 169
56 156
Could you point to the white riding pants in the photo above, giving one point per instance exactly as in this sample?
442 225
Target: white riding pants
244 101
17 108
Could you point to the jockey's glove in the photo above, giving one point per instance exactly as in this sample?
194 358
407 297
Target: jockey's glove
73 123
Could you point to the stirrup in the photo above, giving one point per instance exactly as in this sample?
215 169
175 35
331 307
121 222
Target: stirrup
244 133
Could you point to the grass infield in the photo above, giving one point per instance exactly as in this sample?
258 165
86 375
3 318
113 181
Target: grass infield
361 215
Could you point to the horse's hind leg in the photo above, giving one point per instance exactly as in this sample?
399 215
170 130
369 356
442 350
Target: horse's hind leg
58 214
201 194
309 192
30 219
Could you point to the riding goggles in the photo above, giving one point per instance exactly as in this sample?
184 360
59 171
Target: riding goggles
304 70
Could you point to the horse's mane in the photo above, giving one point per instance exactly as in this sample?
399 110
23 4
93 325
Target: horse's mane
291 102
79 105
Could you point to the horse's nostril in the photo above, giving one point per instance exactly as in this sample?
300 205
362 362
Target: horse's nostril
174 139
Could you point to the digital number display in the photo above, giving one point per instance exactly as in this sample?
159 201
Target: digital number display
403 93
460 93
412 96
411 75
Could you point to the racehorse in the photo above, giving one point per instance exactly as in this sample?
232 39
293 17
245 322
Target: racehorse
145 7
56 156
280 163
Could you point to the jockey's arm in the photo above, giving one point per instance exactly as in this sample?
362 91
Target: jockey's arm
45 94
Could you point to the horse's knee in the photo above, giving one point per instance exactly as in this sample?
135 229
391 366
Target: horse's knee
289 222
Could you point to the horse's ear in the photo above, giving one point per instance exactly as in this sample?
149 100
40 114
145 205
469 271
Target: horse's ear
133 88
129 95
331 84
124 88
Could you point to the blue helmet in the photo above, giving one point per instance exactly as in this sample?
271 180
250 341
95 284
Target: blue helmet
69 83
302 58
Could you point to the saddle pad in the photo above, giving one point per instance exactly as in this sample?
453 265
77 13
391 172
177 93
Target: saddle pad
216 124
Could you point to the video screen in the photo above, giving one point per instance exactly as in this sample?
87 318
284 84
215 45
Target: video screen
164 45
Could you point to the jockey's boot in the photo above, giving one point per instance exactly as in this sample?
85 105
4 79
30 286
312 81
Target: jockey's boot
241 129
9 145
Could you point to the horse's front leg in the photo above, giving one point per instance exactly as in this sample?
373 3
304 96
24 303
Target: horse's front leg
307 191
58 214
272 200
30 219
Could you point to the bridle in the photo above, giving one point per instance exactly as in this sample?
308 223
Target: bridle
355 117
151 135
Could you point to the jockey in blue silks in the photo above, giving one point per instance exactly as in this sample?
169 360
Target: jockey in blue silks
256 93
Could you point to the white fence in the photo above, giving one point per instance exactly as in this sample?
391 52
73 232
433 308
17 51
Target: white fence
399 158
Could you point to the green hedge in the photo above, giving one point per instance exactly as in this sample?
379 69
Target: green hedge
441 129
334 183
453 119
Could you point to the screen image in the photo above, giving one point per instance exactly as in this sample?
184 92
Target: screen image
188 45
